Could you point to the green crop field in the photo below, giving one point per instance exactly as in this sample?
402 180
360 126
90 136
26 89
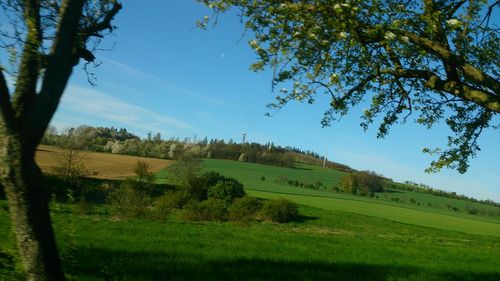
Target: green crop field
323 245
438 216
338 236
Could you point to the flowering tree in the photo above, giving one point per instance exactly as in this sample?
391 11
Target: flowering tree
436 59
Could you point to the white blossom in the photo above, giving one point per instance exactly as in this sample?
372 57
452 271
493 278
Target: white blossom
334 78
343 35
389 35
453 22
254 44
312 36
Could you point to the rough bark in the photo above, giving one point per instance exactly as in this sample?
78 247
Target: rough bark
24 117
28 206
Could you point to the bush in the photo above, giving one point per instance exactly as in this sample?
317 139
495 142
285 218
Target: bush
166 203
227 190
245 209
199 187
471 210
280 210
208 210
128 202
263 178
83 206
348 183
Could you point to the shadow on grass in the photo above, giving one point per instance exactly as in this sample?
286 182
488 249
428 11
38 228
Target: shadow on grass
302 218
390 191
301 168
121 265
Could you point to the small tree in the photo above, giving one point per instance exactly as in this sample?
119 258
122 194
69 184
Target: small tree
186 167
143 173
348 183
71 167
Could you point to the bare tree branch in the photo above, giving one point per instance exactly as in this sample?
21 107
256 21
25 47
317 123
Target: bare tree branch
58 70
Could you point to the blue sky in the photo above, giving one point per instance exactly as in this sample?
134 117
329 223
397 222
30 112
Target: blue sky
165 75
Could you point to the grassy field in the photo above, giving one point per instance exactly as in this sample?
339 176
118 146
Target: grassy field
324 245
102 165
337 237
438 216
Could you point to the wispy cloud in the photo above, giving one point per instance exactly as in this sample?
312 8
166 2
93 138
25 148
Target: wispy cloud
162 84
101 105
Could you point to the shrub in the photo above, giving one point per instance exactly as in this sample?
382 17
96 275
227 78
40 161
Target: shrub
282 180
318 185
166 203
471 210
198 187
280 210
83 206
227 190
245 208
128 202
263 178
208 210
348 183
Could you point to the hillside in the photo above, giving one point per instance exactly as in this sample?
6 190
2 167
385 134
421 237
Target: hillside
338 236
263 181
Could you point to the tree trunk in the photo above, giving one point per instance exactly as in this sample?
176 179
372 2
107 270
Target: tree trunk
28 205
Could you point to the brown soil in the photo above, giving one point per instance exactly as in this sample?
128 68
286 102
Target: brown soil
100 165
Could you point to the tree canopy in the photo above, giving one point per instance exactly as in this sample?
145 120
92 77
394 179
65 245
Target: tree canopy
432 60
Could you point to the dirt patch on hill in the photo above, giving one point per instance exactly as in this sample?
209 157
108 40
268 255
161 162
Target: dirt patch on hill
100 165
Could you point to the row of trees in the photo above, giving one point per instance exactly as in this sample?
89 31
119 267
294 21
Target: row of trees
362 183
120 141
423 188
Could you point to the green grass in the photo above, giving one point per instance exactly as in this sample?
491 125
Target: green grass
324 245
438 216
338 237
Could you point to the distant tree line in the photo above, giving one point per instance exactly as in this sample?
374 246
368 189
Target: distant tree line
120 141
362 183
423 188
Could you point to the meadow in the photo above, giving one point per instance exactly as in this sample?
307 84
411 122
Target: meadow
437 216
338 236
322 245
